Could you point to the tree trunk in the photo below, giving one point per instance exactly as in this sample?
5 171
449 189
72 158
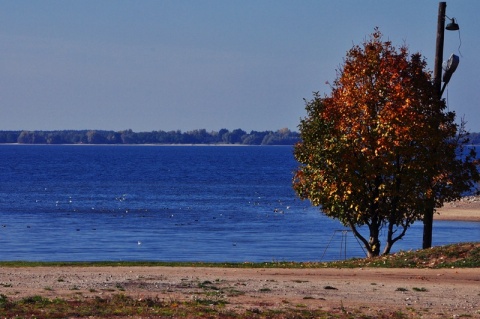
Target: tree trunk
370 252
389 243
374 242
428 224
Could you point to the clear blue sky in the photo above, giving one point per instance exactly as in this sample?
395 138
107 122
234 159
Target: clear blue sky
192 64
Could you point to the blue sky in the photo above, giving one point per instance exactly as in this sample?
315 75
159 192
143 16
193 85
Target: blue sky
192 64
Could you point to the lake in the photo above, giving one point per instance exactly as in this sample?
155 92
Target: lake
170 203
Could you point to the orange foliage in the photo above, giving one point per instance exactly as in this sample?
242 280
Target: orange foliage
380 144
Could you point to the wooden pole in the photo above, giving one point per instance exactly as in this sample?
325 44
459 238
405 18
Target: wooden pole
437 72
437 78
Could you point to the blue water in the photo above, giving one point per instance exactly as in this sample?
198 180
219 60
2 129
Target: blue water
170 203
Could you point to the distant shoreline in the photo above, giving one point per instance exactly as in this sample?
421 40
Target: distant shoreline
280 137
465 209
152 144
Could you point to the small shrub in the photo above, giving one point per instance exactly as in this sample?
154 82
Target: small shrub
3 300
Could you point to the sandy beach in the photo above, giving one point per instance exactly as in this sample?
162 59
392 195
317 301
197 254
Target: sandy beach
425 293
467 209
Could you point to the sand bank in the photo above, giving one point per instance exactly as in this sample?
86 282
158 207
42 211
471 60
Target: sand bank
466 209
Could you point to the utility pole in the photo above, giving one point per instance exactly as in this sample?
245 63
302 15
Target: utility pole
437 81
437 78
437 72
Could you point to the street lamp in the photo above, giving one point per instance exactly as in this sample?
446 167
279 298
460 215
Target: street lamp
437 77
452 26
450 66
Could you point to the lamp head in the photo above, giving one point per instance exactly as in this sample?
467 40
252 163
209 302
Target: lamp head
452 26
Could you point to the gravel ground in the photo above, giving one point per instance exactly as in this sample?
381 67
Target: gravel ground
430 293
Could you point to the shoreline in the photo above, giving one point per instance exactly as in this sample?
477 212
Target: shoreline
465 209
149 145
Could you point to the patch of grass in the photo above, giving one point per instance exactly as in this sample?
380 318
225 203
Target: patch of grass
3 300
422 289
36 300
401 289
122 306
461 255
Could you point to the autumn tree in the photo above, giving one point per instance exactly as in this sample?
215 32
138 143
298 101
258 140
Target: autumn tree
380 146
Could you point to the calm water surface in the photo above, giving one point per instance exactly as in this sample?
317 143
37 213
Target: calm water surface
169 203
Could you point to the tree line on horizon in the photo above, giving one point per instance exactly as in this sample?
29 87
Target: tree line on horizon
200 136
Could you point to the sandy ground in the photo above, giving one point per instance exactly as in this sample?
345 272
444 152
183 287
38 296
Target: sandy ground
468 208
426 293
445 293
